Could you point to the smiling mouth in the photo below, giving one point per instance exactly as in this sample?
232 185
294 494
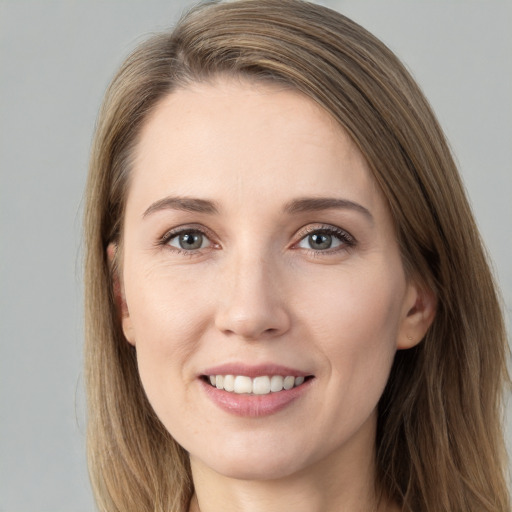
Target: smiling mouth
261 385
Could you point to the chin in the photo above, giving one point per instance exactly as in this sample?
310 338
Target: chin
254 470
254 460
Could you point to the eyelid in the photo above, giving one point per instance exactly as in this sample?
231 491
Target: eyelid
348 241
176 231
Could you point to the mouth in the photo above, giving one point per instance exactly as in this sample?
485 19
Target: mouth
255 391
259 385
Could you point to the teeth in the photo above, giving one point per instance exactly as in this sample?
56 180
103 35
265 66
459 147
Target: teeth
242 384
288 382
262 385
229 383
276 383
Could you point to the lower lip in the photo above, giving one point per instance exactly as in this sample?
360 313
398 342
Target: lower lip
254 406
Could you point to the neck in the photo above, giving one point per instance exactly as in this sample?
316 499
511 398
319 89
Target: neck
342 482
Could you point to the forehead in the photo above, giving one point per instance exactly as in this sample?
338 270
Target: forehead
238 140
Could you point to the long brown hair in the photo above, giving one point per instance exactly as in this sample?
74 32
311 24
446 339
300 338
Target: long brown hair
439 442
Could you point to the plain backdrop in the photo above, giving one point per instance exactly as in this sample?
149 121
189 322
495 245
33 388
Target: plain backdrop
56 58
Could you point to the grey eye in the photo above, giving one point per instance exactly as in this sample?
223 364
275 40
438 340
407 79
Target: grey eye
320 241
189 241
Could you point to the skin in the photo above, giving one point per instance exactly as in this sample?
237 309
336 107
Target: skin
257 292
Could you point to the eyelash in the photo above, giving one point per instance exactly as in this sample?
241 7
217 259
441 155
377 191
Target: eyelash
346 239
167 237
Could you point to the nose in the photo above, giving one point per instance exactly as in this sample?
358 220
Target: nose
251 303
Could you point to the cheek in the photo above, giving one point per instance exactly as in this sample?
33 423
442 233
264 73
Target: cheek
354 303
164 304
355 324
168 322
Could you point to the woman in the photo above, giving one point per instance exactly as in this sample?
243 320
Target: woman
287 300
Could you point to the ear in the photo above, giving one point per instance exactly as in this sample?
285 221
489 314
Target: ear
417 316
119 296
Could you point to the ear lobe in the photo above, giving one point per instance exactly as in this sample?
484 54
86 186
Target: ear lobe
419 312
119 297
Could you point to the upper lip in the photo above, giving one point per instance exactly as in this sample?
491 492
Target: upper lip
252 371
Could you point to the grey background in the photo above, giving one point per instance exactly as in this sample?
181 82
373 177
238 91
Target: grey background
56 58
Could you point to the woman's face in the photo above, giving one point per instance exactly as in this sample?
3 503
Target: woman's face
257 246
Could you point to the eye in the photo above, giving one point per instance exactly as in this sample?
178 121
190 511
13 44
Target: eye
325 239
319 242
188 240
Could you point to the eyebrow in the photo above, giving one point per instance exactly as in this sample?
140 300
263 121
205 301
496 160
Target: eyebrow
187 204
312 204
301 205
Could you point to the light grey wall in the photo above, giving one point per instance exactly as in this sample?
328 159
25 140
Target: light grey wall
56 58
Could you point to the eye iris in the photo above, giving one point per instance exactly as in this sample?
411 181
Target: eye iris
191 240
320 241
